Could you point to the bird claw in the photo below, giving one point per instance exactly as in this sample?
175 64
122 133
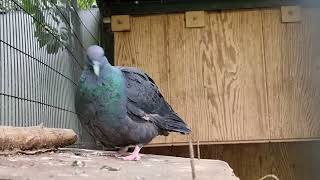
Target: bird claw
131 157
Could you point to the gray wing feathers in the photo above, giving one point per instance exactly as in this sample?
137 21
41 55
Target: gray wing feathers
146 104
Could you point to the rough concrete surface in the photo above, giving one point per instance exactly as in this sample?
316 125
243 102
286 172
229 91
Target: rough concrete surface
77 164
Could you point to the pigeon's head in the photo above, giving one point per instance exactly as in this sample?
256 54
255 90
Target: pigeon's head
96 58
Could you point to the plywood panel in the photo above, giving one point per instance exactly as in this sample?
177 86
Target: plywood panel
245 76
159 61
211 76
195 109
145 47
177 59
234 80
123 49
185 74
291 69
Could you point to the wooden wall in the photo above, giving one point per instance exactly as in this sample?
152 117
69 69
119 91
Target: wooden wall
245 76
288 161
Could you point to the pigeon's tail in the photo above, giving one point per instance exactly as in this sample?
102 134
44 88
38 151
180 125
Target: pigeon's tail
172 123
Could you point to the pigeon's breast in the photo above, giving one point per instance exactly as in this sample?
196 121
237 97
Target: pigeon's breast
107 93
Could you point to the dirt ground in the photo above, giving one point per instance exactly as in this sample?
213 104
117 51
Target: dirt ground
71 164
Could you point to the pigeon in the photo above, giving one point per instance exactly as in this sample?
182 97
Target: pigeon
122 106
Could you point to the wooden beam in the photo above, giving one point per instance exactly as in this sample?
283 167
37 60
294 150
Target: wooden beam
195 19
291 14
173 6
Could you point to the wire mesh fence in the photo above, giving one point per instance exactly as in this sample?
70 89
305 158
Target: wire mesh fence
42 45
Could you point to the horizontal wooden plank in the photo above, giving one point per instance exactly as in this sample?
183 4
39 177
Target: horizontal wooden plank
120 23
174 6
258 141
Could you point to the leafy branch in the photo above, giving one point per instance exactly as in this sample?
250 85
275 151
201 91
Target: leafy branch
85 4
52 23
53 20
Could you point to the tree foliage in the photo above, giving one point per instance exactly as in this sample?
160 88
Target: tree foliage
85 4
52 23
54 20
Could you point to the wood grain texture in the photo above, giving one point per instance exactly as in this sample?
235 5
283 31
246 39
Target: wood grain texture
120 23
290 14
35 137
211 76
245 76
145 47
288 161
235 91
293 95
177 59
195 19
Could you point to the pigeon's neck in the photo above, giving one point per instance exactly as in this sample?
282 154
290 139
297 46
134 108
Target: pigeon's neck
106 67
106 71
110 85
107 89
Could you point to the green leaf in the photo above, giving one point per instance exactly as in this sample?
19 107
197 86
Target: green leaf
44 38
85 4
37 31
29 6
53 46
49 33
64 36
39 15
26 5
56 19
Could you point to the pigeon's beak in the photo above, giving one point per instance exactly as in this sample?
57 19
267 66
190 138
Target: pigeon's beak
96 68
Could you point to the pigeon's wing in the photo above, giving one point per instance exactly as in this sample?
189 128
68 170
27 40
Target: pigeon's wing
146 103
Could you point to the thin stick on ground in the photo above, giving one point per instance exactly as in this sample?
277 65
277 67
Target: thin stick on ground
198 149
192 159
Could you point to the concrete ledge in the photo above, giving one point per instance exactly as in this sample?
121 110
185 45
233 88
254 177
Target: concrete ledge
76 164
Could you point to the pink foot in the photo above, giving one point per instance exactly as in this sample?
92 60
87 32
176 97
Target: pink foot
132 157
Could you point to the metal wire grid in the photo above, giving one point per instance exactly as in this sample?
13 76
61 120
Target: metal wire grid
37 86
